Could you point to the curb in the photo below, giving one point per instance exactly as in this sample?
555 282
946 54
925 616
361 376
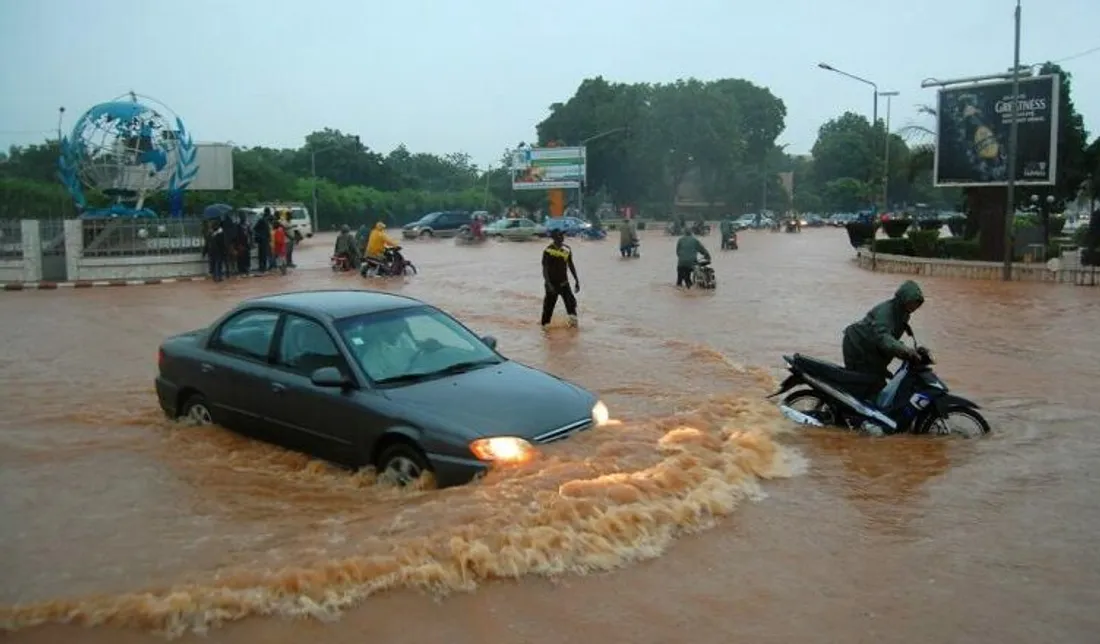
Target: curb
51 286
56 286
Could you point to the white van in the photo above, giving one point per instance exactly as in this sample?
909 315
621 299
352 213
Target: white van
299 216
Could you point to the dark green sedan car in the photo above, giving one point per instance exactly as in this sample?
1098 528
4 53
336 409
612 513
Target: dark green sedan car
369 378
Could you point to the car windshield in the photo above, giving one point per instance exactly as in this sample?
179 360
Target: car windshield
412 345
298 213
428 218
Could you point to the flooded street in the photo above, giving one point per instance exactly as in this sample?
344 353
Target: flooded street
707 516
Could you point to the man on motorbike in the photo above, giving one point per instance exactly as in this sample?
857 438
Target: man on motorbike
688 250
345 247
872 343
378 242
725 228
628 238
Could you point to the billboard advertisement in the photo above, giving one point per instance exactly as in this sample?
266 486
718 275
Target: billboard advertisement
548 168
972 133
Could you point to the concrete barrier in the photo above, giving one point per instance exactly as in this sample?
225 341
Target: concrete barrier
1056 272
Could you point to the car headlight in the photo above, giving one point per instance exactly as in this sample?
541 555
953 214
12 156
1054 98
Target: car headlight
600 414
502 449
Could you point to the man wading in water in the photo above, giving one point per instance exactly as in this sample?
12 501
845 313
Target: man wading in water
557 264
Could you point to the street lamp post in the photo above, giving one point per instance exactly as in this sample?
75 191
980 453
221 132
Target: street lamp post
874 86
313 174
1013 141
886 154
1045 207
584 143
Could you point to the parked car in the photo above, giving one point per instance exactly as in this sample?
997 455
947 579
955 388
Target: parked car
841 219
571 226
369 378
436 224
515 229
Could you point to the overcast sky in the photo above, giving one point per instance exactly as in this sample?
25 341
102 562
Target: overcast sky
477 75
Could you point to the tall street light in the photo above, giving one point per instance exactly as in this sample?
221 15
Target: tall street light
886 154
585 142
874 110
313 152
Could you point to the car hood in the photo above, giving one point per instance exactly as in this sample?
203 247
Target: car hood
505 399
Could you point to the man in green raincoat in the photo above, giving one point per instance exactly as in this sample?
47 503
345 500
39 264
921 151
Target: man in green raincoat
688 250
873 342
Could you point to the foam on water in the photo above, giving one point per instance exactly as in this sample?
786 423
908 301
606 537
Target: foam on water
606 498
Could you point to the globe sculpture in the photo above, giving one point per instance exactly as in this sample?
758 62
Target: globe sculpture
127 149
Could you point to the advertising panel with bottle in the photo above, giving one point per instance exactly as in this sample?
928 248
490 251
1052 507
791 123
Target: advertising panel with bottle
973 126
548 168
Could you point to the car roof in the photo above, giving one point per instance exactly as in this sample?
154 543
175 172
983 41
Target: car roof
336 304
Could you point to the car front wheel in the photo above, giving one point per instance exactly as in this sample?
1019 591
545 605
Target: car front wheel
401 464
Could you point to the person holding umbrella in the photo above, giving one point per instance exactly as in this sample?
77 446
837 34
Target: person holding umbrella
217 246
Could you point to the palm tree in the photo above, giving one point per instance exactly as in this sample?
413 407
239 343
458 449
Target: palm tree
922 153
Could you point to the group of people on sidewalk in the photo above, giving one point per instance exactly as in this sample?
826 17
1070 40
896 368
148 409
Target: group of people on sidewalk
228 245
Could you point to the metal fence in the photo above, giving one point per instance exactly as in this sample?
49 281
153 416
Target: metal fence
11 239
128 237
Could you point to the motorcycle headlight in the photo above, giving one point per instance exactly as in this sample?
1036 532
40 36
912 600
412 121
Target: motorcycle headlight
503 449
600 414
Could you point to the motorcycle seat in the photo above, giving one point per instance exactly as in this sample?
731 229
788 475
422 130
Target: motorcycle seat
833 373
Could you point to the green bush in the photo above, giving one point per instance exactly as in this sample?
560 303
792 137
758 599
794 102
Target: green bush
896 228
1057 225
860 233
957 226
957 248
894 246
925 243
1025 221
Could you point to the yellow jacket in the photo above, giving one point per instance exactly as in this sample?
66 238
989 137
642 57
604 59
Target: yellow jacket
378 240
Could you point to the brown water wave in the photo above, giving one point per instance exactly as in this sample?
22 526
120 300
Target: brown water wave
596 503
115 516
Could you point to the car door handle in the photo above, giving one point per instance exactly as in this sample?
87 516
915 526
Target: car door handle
207 367
278 387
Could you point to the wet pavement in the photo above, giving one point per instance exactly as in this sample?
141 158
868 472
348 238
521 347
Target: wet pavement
700 504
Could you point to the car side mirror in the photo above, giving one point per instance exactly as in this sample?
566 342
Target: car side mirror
330 377
489 341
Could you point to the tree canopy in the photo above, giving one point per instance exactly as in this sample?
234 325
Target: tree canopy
661 147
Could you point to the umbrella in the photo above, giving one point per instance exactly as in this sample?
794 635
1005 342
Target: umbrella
217 211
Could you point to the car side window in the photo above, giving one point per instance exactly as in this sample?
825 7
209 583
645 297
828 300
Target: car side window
247 334
306 346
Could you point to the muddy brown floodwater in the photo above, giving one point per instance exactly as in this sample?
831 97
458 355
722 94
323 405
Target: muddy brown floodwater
702 517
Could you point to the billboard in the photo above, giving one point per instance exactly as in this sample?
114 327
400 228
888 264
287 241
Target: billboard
548 168
972 133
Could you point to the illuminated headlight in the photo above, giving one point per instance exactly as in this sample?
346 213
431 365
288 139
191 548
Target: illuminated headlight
600 413
502 449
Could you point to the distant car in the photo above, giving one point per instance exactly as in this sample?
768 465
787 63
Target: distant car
436 224
369 378
813 221
515 229
571 226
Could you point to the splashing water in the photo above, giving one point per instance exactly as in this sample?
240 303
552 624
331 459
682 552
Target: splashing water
607 498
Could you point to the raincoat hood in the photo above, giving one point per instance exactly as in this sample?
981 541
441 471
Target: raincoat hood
908 292
380 226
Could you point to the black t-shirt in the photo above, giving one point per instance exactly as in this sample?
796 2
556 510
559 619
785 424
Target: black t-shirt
556 262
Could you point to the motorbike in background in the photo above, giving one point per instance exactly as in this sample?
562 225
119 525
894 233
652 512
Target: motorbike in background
391 264
730 242
914 400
